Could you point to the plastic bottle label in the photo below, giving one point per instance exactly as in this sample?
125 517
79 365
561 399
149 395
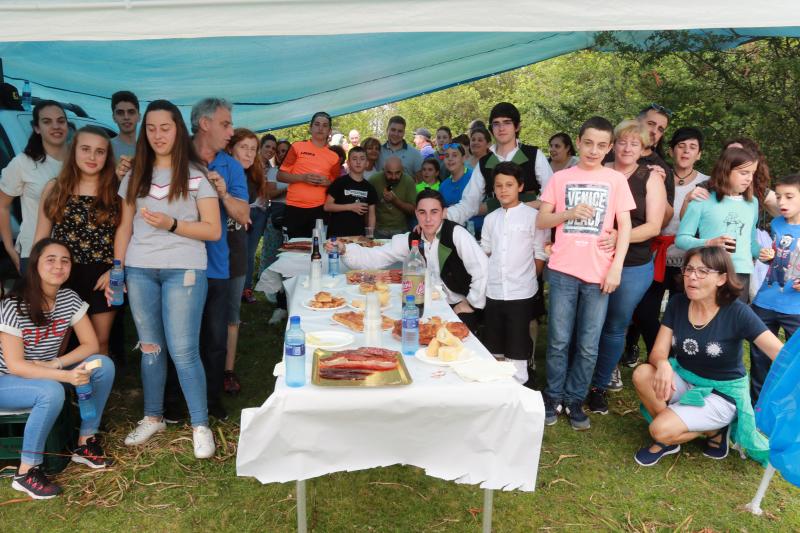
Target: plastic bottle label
295 350
410 323
85 395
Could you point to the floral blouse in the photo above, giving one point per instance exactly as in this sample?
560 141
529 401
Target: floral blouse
89 241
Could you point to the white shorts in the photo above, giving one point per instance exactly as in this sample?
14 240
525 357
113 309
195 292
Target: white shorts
717 412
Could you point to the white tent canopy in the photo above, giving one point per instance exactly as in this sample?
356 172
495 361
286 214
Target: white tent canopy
280 61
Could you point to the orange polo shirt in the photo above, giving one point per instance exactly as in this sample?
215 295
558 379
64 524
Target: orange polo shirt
304 157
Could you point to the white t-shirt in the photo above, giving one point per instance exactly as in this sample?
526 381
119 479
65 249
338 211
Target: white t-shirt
26 178
675 254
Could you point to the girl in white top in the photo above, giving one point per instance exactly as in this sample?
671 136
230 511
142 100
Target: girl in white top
26 175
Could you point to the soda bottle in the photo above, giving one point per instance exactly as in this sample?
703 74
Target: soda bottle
410 327
333 259
85 402
117 282
294 359
414 277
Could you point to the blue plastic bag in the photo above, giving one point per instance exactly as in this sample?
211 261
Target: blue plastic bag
778 411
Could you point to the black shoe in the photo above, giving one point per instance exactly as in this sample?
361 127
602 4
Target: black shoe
90 454
174 413
36 485
630 357
217 411
597 401
552 408
577 418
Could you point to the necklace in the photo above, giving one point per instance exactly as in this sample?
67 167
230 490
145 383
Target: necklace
701 326
628 174
682 180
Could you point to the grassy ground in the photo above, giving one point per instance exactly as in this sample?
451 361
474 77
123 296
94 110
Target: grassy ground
586 480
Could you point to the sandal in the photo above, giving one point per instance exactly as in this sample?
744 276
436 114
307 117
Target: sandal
647 458
718 449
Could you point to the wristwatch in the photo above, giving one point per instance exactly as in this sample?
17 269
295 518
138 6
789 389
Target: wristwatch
174 225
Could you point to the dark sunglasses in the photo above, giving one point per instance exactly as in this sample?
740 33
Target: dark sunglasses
661 109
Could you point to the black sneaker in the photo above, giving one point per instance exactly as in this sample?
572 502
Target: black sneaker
630 357
597 401
577 418
217 411
552 408
36 485
90 454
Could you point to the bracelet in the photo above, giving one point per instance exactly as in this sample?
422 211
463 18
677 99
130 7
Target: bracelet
174 225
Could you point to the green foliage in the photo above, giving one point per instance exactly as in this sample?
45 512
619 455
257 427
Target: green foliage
750 90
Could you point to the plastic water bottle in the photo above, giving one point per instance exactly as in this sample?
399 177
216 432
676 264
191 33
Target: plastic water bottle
315 276
294 352
333 259
26 95
117 282
410 337
85 402
414 277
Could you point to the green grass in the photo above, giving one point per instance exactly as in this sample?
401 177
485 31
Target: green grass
587 481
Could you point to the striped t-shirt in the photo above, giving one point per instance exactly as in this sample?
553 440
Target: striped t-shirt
42 343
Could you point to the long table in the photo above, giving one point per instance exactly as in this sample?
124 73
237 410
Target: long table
486 434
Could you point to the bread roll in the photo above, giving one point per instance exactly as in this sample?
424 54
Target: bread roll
450 353
448 339
433 348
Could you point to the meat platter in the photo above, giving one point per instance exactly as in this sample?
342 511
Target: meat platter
359 367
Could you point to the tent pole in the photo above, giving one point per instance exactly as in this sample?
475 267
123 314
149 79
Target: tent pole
488 500
755 505
302 523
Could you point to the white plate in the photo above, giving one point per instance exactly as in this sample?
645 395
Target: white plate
305 304
329 339
384 308
353 289
466 355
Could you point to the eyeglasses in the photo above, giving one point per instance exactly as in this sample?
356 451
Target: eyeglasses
661 109
454 146
699 272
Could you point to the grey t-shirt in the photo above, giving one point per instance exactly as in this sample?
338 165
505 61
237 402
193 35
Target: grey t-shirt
151 247
122 148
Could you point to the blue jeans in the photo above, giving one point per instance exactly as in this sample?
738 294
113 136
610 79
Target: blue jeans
258 218
45 397
167 307
759 362
574 304
622 302
273 238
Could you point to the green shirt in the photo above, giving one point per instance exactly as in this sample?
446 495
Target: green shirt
421 186
387 216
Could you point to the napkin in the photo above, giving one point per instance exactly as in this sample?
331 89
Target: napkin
279 370
483 370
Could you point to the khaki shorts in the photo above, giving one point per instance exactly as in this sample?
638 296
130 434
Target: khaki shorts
717 412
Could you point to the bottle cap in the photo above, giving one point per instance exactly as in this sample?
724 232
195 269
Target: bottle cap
333 239
410 298
117 262
294 320
415 243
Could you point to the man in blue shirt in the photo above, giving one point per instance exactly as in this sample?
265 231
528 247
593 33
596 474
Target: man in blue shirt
212 127
396 145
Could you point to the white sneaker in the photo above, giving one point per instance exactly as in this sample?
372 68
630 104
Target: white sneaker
204 445
145 429
277 316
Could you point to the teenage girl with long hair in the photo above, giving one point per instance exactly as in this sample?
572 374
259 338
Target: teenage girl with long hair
169 208
81 208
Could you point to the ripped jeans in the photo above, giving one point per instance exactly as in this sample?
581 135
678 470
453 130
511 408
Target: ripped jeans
167 307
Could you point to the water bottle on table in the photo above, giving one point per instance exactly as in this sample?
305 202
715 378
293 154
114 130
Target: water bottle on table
117 282
333 259
294 359
410 327
26 96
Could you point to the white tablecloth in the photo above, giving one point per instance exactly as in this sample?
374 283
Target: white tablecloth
477 433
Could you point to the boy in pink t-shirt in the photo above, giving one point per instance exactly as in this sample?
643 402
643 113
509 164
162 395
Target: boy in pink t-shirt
582 203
